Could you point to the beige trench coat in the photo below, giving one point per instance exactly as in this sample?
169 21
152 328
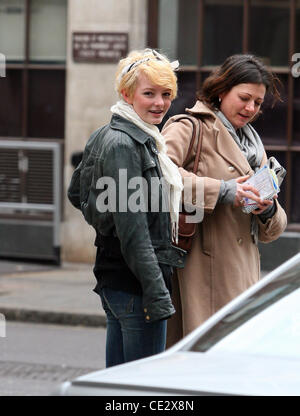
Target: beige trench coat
224 260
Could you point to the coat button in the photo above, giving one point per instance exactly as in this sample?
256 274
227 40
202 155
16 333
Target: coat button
145 310
148 317
231 169
180 261
240 241
154 150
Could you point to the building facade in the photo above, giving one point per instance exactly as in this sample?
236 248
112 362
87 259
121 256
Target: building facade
60 61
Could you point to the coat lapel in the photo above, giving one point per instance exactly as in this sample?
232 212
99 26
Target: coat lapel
229 150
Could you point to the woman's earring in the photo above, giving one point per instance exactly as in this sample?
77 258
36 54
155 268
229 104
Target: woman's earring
220 100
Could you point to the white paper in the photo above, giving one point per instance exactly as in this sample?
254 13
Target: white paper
265 181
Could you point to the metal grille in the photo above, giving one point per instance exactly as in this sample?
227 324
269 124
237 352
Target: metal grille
36 167
26 176
10 190
40 177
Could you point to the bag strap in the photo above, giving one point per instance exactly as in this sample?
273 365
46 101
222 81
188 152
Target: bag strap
195 121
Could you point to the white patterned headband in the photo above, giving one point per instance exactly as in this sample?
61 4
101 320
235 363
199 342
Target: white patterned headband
158 56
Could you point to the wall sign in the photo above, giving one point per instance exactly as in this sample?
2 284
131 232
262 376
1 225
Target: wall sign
99 47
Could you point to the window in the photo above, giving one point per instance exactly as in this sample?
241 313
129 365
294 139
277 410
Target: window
33 40
10 103
47 31
177 38
202 33
12 29
269 30
223 29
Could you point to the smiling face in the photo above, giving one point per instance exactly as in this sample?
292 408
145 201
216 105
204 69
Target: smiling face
241 104
149 101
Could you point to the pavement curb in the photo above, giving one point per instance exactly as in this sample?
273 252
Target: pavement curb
50 317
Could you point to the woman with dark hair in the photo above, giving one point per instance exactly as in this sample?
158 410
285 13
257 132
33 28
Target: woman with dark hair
224 259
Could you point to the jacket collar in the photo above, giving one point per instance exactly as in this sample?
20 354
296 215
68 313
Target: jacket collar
119 123
201 109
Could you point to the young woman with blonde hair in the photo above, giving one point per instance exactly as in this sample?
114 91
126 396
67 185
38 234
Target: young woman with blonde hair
135 256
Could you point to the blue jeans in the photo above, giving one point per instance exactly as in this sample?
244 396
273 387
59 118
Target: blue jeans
128 336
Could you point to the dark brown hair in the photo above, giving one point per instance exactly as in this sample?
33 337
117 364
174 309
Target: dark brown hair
238 69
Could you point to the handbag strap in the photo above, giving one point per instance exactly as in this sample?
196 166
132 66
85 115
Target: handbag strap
195 121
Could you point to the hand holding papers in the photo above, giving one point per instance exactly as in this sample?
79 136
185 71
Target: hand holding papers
267 181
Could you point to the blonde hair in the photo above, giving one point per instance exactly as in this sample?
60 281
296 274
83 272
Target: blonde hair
155 66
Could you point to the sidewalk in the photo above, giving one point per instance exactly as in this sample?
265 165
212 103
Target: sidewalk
50 294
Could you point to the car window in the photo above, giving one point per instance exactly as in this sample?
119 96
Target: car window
276 331
266 323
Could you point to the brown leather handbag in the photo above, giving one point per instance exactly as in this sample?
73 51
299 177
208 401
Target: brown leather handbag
186 230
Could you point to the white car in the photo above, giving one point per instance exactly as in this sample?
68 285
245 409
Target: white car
250 347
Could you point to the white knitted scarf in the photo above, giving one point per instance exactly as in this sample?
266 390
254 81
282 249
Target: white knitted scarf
169 169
